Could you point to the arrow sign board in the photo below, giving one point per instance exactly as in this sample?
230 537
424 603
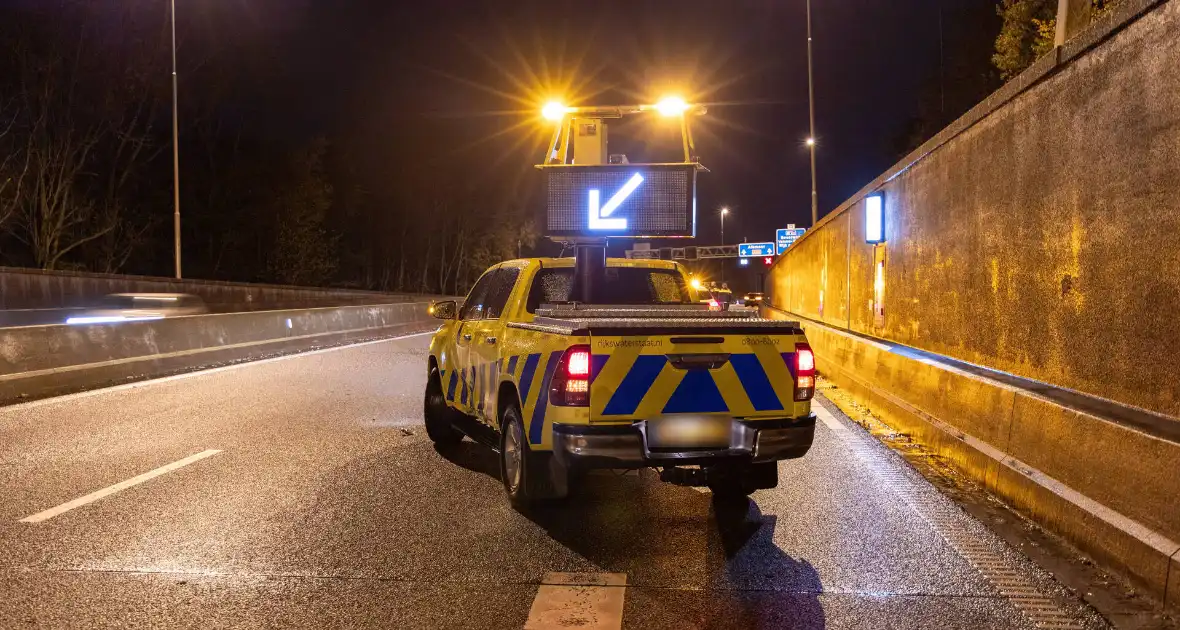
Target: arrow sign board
755 250
783 238
623 200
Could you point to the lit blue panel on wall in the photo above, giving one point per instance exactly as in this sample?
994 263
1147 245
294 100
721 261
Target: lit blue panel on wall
875 218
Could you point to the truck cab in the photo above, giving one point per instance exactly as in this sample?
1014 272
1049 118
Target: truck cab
644 377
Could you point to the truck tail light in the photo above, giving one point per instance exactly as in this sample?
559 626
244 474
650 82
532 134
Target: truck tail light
804 372
570 386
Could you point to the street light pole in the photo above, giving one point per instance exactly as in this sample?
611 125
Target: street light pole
175 144
724 211
811 111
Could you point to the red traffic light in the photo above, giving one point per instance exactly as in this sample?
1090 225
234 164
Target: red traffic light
768 261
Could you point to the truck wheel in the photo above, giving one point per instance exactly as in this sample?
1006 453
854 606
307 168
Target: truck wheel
437 415
528 477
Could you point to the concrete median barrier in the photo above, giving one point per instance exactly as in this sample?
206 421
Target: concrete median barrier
35 289
40 361
1107 487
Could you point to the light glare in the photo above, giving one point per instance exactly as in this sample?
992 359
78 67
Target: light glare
112 319
672 106
554 111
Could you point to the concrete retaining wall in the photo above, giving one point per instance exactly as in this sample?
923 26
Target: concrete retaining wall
37 289
41 361
1037 235
1107 488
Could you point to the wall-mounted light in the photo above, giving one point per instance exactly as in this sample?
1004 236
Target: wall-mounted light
875 218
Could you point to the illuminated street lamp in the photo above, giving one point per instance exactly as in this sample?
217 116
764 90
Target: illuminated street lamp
810 142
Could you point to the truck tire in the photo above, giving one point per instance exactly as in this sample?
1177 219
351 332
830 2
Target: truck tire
733 483
437 415
528 477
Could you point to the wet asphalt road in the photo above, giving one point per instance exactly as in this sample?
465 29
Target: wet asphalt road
328 507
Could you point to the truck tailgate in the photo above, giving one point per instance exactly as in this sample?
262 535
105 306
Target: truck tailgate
740 373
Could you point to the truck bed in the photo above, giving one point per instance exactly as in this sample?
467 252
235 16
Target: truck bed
648 320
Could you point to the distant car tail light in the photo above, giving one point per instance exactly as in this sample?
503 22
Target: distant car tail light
804 372
570 386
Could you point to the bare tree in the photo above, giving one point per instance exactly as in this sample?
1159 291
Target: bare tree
56 149
12 170
79 136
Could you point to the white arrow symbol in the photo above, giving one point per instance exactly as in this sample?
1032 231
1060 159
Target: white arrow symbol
598 220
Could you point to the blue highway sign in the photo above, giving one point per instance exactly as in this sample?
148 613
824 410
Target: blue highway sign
755 250
784 237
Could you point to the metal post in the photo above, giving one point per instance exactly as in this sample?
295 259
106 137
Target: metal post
175 145
811 112
1072 16
724 211
589 270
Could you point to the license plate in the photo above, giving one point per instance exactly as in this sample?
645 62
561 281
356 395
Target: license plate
689 431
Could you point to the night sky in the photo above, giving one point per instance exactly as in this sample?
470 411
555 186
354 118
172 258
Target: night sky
457 84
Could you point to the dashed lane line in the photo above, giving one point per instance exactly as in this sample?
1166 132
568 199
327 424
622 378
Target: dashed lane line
119 487
587 601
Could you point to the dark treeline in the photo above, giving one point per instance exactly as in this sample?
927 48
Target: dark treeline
390 145
266 194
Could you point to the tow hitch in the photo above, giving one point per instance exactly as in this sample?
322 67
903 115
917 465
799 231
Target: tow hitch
692 477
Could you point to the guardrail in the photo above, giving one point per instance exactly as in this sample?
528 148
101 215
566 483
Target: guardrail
41 361
1102 474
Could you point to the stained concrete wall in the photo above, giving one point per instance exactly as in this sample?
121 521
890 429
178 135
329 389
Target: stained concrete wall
36 289
1037 235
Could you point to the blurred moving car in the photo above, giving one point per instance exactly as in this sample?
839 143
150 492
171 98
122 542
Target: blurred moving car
135 307
754 298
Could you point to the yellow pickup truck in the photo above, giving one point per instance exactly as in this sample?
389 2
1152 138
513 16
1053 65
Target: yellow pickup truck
646 377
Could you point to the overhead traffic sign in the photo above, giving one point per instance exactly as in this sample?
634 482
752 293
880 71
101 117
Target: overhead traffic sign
755 250
785 237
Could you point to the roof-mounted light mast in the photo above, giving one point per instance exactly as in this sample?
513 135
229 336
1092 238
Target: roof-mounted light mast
584 129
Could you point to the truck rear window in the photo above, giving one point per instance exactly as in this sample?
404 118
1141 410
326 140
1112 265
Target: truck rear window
624 285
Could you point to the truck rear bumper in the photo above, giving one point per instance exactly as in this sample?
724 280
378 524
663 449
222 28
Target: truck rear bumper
639 446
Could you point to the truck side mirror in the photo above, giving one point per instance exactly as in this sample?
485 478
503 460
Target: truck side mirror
446 309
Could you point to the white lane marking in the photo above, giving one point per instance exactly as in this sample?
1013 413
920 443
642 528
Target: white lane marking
122 485
963 533
587 601
176 377
1129 526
